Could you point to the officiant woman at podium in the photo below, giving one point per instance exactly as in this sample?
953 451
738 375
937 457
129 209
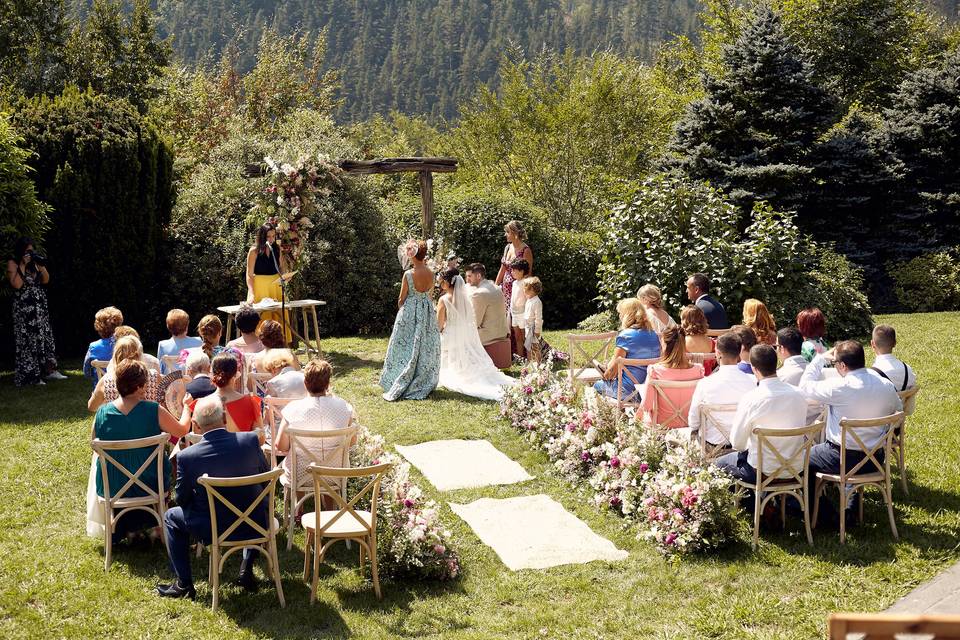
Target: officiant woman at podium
265 263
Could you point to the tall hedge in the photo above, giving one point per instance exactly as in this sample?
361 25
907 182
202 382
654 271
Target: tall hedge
470 222
107 174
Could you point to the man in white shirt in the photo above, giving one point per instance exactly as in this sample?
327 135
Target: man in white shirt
855 394
773 404
489 309
886 364
726 385
789 343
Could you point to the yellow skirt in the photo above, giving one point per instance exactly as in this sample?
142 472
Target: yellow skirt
268 287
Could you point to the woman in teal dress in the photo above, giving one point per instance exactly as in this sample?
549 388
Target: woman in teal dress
412 366
130 417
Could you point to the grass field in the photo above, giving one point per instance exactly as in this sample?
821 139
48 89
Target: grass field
52 582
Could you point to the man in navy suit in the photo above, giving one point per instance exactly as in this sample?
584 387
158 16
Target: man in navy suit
698 290
222 454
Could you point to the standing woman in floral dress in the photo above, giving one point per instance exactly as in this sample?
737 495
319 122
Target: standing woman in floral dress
517 247
36 352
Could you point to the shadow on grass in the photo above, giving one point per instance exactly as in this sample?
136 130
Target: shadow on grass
59 400
344 363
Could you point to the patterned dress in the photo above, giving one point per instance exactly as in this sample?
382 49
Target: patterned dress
506 287
36 352
412 365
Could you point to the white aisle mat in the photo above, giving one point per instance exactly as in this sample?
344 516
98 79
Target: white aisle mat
535 532
463 464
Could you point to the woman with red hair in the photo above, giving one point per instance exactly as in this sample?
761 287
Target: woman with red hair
812 325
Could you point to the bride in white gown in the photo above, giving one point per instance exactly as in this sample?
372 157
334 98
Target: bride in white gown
465 366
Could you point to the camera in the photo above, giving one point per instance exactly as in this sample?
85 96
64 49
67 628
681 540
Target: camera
38 258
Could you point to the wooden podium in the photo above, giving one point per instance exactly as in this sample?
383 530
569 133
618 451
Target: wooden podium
308 316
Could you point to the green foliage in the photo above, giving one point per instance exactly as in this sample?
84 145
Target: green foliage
930 282
108 176
675 227
21 213
564 133
470 223
32 36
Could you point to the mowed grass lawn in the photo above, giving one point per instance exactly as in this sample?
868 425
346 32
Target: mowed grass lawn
52 582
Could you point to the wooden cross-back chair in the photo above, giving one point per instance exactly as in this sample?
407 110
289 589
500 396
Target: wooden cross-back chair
155 500
260 380
886 626
299 455
782 475
100 366
264 539
346 523
587 373
273 414
909 399
677 413
857 479
710 417
716 333
171 363
632 399
701 358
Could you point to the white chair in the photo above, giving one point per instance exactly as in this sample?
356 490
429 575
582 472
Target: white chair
155 499
716 333
100 366
909 399
272 417
587 373
701 358
851 480
260 380
333 449
171 363
719 417
782 475
347 522
677 412
265 542
633 398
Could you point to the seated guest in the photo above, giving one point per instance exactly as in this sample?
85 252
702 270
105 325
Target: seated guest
320 411
129 417
696 340
883 341
812 325
242 409
126 330
698 291
271 336
177 324
198 370
210 330
127 348
489 310
287 382
747 339
789 342
773 404
105 323
855 394
636 341
652 300
219 454
756 316
726 385
673 366
248 319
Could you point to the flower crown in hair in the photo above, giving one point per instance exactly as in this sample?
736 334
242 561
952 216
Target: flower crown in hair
411 247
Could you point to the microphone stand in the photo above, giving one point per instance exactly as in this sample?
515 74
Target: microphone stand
283 293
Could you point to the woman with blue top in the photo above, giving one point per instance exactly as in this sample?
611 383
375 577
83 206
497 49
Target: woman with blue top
637 340
411 368
177 324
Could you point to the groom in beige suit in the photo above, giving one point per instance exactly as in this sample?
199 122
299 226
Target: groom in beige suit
488 307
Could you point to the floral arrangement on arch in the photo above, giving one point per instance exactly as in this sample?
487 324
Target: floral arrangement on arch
674 497
290 199
438 256
410 536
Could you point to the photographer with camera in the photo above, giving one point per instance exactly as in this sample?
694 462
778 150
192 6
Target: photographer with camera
36 352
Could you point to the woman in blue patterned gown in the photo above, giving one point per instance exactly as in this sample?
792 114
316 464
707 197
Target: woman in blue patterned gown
412 366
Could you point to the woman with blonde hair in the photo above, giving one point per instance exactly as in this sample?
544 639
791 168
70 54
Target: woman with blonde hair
651 298
636 341
673 366
127 348
759 320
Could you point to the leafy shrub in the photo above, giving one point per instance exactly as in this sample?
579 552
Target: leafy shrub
107 173
674 228
930 282
599 323
471 223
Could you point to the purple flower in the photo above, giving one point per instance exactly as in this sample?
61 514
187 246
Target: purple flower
644 467
614 462
528 390
670 538
408 503
615 501
585 456
571 427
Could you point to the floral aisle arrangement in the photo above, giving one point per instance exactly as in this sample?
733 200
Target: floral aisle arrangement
410 537
625 463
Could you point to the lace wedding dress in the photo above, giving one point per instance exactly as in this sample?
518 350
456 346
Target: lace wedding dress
465 366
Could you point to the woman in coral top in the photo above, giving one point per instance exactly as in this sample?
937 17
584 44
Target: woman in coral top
242 409
670 412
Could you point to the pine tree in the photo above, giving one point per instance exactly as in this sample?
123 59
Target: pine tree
752 133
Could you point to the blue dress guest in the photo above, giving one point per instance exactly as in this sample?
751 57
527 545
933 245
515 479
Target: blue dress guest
104 323
637 340
411 368
177 324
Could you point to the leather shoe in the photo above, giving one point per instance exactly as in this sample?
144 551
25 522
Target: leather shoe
248 581
176 590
